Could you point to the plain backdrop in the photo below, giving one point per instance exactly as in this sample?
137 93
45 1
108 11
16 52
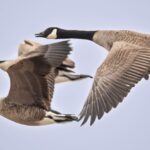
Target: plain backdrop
124 128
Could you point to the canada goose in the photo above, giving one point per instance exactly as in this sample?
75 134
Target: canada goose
64 74
127 63
32 77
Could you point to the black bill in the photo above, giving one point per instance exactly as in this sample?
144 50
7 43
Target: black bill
40 34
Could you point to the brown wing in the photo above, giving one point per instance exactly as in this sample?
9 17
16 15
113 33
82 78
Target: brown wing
125 65
33 77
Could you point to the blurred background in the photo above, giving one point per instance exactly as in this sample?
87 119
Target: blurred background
125 128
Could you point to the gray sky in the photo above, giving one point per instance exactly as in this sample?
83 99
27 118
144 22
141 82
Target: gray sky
125 128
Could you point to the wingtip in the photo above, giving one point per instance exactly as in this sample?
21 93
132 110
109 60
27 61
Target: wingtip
66 42
83 122
92 121
69 44
81 116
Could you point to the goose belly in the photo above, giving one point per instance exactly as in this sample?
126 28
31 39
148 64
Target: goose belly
45 121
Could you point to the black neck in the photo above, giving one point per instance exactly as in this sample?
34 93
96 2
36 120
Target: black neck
64 34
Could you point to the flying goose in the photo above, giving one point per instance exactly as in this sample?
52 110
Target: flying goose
64 74
32 76
128 61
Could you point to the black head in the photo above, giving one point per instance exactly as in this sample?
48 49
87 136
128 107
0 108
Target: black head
58 33
49 33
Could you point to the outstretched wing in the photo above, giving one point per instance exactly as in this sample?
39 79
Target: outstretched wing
125 65
33 77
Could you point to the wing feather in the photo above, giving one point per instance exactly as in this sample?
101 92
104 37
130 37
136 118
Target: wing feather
33 76
125 65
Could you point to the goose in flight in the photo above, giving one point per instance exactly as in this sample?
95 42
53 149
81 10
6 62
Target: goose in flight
64 74
32 76
127 62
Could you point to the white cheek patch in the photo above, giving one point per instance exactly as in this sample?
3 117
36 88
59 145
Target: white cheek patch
53 34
